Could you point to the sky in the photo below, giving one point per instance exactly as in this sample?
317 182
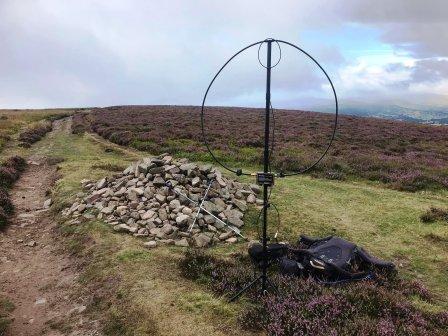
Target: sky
108 52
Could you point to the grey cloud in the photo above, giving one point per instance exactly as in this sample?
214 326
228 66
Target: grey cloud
106 52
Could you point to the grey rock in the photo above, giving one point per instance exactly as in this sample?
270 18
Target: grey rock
81 208
255 188
186 167
182 242
182 219
167 229
196 181
148 215
150 244
187 211
108 210
48 203
251 199
122 228
101 183
158 181
232 240
240 205
209 219
160 198
225 235
202 240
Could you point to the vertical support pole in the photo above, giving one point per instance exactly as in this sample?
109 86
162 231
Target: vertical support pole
266 164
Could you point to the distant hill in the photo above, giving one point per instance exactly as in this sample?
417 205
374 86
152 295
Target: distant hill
418 114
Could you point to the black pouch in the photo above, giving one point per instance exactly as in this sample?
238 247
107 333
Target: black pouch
273 252
290 267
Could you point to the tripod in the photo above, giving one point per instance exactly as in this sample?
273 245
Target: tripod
266 178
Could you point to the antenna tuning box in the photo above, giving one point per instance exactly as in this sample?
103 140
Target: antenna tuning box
265 179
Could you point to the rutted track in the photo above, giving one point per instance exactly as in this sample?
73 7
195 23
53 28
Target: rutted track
36 275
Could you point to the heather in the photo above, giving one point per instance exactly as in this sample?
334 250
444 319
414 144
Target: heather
34 134
434 214
302 307
10 171
405 156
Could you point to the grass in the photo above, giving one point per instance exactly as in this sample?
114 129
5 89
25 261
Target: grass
12 121
141 290
6 307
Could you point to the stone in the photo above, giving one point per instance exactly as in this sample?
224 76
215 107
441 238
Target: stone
157 170
108 210
221 182
148 215
163 215
122 228
182 242
81 208
138 191
211 207
187 211
232 240
240 205
251 199
225 235
167 241
186 167
167 229
160 198
150 244
175 204
158 181
101 183
40 301
221 205
32 243
202 240
48 203
255 188
182 219
196 181
209 219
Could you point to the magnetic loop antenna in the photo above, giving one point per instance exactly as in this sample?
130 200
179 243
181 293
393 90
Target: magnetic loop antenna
239 171
266 177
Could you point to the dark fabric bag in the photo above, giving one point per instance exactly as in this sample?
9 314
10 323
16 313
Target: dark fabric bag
333 259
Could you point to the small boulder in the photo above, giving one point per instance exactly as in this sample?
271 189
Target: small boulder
150 244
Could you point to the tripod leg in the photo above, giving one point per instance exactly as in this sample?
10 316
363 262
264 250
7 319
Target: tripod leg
237 295
272 286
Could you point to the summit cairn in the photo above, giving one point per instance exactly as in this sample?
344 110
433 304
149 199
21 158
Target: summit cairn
146 200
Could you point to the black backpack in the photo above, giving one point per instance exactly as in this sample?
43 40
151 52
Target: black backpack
328 260
332 260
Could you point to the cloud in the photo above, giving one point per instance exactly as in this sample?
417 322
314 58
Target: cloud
106 52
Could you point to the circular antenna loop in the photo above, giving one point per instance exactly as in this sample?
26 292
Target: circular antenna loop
279 53
259 43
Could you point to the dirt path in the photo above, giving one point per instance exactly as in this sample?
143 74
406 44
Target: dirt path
35 274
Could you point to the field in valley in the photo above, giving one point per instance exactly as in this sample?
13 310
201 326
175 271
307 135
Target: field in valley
136 291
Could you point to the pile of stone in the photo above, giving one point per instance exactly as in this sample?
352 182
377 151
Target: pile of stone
139 201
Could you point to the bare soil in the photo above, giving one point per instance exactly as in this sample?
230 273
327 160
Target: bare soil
35 273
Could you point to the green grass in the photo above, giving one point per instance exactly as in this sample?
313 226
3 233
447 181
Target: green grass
6 307
384 221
